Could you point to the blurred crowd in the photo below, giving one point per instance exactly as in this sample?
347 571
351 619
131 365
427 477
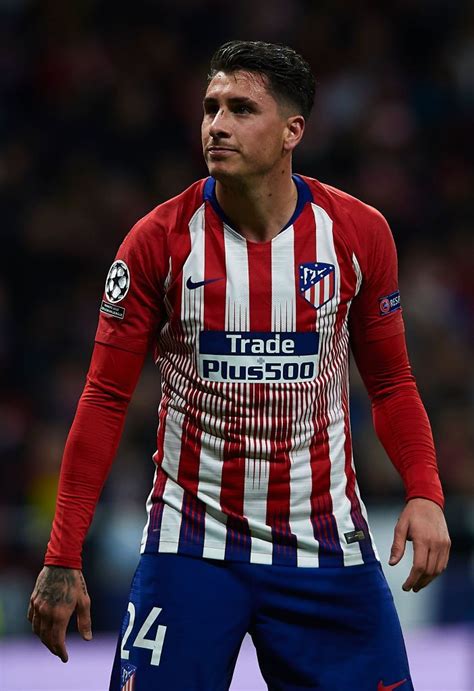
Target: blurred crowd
99 122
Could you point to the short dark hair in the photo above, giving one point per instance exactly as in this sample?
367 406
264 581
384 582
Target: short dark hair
289 76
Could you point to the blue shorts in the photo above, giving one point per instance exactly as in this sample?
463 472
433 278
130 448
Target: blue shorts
331 629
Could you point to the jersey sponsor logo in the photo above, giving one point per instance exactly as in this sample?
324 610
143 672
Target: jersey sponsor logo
381 686
112 310
254 356
117 282
127 674
390 303
192 285
317 282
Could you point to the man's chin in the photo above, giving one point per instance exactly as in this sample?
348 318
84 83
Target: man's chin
223 172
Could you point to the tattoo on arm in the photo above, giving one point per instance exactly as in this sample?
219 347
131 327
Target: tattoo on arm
56 586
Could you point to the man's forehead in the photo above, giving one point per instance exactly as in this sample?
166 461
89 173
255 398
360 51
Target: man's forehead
238 84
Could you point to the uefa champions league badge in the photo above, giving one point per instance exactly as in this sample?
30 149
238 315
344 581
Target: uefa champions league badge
127 677
117 285
117 282
389 303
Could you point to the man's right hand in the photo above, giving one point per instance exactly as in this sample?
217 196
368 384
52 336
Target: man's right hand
57 593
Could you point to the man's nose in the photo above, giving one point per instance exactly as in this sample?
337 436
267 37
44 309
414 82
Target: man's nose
220 124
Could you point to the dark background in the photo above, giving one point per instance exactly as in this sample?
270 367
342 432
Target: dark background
100 107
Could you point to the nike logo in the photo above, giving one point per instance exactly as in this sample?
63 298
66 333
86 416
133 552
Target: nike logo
381 686
192 285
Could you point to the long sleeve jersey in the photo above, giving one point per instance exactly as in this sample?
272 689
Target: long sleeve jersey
254 457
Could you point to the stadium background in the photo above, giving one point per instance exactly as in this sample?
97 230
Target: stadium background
99 122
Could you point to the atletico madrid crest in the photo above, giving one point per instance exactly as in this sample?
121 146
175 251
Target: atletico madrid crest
317 282
128 677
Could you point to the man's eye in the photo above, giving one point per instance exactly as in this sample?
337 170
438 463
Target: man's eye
242 109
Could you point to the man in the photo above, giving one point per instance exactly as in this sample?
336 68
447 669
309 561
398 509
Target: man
249 286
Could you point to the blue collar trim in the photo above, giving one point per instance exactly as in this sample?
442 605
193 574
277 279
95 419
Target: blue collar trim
304 196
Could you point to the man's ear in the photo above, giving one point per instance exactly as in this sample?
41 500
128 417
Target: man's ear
294 131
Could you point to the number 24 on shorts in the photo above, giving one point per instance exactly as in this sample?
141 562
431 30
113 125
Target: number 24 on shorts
155 645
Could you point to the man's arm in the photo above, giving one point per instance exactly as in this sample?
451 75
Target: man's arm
90 450
403 427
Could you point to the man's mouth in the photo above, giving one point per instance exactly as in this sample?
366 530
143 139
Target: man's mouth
219 149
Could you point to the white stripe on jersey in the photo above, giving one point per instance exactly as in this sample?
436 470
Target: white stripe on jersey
332 357
237 304
149 505
172 517
192 301
283 290
209 488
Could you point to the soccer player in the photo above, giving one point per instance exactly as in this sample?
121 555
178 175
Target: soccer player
250 286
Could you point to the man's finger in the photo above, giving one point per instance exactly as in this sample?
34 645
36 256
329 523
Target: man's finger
50 626
418 570
84 624
36 622
437 563
53 635
58 640
399 541
445 558
430 571
422 583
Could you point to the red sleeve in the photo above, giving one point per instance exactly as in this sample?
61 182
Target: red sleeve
130 315
400 419
90 449
376 311
132 305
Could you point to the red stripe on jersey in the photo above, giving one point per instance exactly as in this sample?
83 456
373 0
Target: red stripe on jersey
233 471
233 478
331 283
305 251
322 298
260 285
278 495
214 253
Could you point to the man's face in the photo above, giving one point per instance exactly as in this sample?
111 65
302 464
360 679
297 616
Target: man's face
243 128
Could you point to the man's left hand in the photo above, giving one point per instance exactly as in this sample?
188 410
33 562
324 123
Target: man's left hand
422 521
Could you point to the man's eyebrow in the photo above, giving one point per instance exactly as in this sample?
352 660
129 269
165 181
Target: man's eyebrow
233 100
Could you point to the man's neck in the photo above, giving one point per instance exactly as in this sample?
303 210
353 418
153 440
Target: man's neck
259 211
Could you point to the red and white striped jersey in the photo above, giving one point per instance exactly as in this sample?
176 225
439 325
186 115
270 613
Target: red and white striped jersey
254 457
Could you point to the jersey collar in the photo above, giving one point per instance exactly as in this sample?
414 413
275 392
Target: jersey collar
304 195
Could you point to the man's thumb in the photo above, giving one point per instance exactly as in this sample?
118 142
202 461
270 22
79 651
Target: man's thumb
398 545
